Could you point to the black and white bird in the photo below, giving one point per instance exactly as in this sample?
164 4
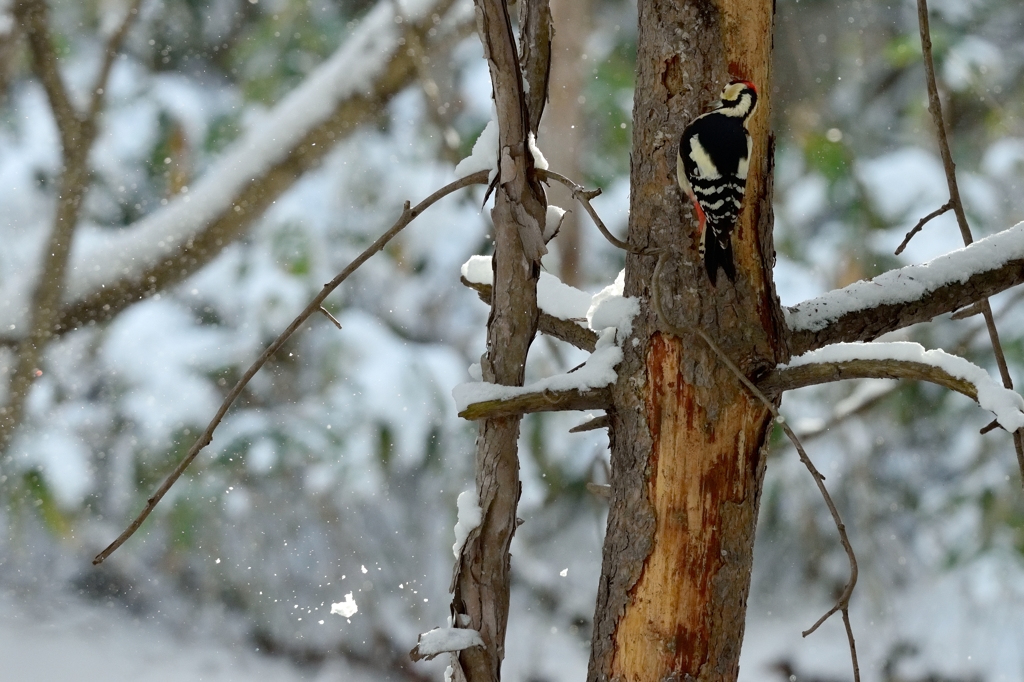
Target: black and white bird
711 167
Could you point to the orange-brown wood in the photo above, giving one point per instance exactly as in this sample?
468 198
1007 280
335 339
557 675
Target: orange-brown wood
703 473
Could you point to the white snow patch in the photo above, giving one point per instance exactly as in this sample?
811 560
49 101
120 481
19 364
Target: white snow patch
484 155
440 640
552 221
538 158
470 516
609 308
1007 405
345 608
554 297
909 283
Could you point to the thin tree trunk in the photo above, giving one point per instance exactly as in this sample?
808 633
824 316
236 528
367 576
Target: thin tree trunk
687 439
482 575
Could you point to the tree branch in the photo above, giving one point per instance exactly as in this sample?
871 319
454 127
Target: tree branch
408 215
791 378
921 223
899 298
110 53
34 17
541 401
293 138
583 195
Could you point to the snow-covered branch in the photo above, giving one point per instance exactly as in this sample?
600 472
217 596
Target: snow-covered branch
112 269
899 360
867 309
592 322
563 309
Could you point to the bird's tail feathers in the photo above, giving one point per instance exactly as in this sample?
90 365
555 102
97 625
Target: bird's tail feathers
717 251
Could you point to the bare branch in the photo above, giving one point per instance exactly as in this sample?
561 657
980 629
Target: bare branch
541 401
899 298
602 422
564 330
408 215
34 17
935 107
110 52
921 223
582 195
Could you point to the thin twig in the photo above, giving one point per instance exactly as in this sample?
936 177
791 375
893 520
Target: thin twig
330 317
843 603
582 195
110 52
921 223
935 107
408 215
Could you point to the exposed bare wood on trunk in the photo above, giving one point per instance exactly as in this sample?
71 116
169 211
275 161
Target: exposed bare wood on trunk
482 579
687 462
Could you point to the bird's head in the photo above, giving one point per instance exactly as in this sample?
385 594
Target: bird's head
739 98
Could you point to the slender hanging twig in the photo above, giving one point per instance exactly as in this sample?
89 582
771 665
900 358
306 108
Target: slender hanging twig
935 108
408 215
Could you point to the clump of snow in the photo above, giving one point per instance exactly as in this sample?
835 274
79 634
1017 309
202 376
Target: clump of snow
470 516
441 640
538 158
1007 405
909 283
484 155
554 297
345 608
609 308
552 221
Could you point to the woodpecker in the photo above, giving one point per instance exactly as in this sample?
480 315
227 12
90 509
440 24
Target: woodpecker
711 167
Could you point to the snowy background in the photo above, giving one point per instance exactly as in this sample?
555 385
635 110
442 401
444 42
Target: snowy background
338 469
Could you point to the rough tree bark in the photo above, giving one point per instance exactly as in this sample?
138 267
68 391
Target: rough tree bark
481 582
687 439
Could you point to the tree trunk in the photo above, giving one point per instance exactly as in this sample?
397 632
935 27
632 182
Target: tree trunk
687 439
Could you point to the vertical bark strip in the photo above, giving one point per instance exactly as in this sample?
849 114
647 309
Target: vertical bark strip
481 581
687 464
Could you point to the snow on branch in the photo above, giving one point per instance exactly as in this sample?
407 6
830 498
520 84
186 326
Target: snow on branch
609 316
563 309
112 269
900 360
866 309
444 640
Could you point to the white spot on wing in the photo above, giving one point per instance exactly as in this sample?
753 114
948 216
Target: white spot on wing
705 167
